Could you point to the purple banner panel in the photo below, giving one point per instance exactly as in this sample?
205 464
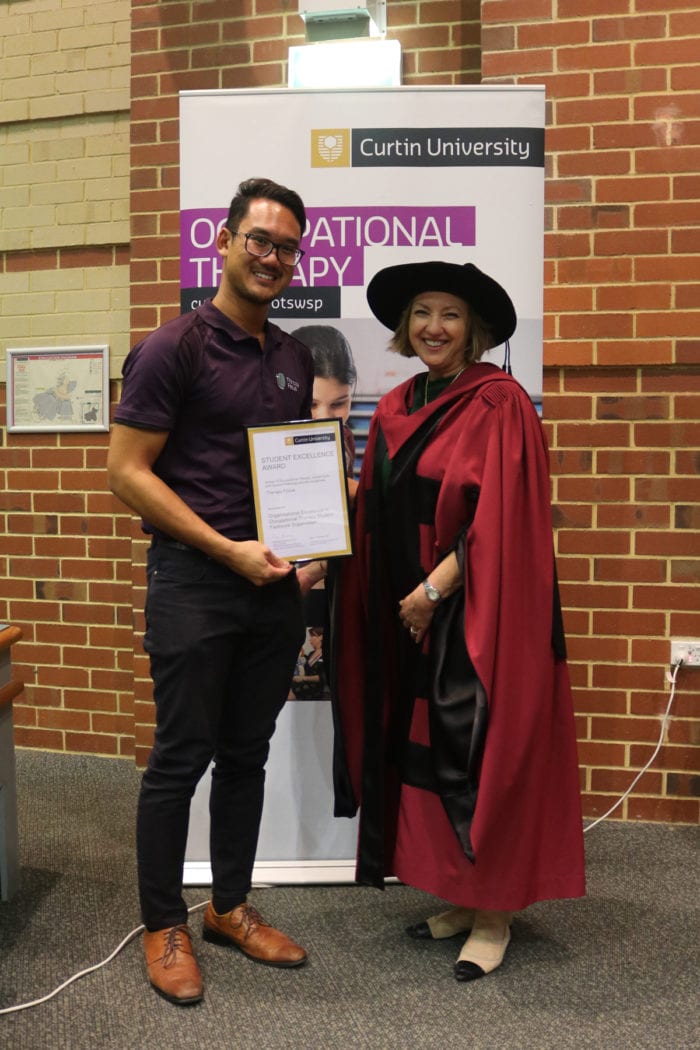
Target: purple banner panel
334 240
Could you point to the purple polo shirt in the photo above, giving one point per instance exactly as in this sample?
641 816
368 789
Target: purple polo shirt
204 379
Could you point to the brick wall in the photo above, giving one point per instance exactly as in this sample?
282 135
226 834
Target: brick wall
622 378
622 358
64 272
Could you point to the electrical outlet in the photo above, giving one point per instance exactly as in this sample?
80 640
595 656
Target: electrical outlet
687 650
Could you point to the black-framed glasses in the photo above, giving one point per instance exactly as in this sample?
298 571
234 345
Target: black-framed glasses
256 244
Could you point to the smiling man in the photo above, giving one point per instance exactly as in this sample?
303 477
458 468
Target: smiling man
224 622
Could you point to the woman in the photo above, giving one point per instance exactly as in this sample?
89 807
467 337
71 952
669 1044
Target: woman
454 721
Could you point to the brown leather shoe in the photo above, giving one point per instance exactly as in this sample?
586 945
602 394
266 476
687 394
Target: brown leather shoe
172 967
245 928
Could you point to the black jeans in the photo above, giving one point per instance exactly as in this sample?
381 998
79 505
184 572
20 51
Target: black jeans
222 654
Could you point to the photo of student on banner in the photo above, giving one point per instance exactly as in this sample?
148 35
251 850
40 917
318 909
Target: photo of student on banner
335 377
310 681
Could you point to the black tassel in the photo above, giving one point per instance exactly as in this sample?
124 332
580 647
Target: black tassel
506 360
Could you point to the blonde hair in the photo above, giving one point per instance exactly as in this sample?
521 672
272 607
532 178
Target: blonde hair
479 337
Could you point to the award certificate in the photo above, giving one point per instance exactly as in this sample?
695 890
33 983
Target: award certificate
301 503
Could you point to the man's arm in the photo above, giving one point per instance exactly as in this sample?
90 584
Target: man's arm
132 453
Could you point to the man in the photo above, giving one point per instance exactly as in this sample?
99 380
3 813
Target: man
223 612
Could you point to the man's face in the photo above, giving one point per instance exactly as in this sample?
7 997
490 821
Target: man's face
249 277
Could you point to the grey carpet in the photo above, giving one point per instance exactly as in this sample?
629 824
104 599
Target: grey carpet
617 969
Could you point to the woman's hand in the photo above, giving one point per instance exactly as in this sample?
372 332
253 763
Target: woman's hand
416 613
416 610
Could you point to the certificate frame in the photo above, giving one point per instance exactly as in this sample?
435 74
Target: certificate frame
57 388
300 488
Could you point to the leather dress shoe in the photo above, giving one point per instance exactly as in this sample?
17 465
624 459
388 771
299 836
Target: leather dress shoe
244 928
172 967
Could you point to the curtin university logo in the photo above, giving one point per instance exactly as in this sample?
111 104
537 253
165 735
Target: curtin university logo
330 148
466 147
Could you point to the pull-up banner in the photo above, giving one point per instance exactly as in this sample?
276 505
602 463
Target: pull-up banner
388 176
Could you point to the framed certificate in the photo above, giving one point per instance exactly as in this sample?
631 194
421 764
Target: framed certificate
59 388
301 502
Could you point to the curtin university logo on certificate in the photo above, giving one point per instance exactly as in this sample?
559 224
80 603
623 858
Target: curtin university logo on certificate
330 148
300 489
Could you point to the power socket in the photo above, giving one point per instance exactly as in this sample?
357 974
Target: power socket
687 650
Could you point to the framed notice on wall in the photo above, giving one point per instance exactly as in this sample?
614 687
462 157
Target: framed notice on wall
58 388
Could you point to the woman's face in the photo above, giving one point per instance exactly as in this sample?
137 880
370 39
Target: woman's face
331 399
437 330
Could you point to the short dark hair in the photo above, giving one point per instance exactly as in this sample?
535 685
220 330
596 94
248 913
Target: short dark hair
330 350
264 189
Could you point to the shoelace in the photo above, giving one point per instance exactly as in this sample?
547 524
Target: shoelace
250 918
174 943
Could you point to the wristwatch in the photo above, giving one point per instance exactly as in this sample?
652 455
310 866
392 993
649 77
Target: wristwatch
432 592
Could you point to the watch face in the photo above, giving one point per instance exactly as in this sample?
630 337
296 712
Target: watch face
432 592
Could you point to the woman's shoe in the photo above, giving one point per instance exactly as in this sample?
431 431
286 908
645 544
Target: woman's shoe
446 924
485 947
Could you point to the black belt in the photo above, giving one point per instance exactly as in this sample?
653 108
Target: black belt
164 542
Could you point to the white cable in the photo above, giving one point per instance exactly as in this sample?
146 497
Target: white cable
202 904
83 973
672 679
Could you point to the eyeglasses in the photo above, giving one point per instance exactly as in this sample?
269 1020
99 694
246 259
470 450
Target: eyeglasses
263 246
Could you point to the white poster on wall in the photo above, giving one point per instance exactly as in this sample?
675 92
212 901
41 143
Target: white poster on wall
388 175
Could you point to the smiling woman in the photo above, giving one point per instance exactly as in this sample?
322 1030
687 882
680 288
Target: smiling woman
463 762
438 324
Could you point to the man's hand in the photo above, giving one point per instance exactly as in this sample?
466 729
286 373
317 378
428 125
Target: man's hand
311 574
256 562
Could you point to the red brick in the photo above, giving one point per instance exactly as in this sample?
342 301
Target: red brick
624 676
631 28
593 541
630 570
596 753
91 743
78 720
117 725
596 805
627 729
629 82
602 56
619 780
41 739
592 701
669 810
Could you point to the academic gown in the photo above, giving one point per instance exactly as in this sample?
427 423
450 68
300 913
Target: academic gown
472 795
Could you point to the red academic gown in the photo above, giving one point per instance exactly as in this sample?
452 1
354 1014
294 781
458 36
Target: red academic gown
485 461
